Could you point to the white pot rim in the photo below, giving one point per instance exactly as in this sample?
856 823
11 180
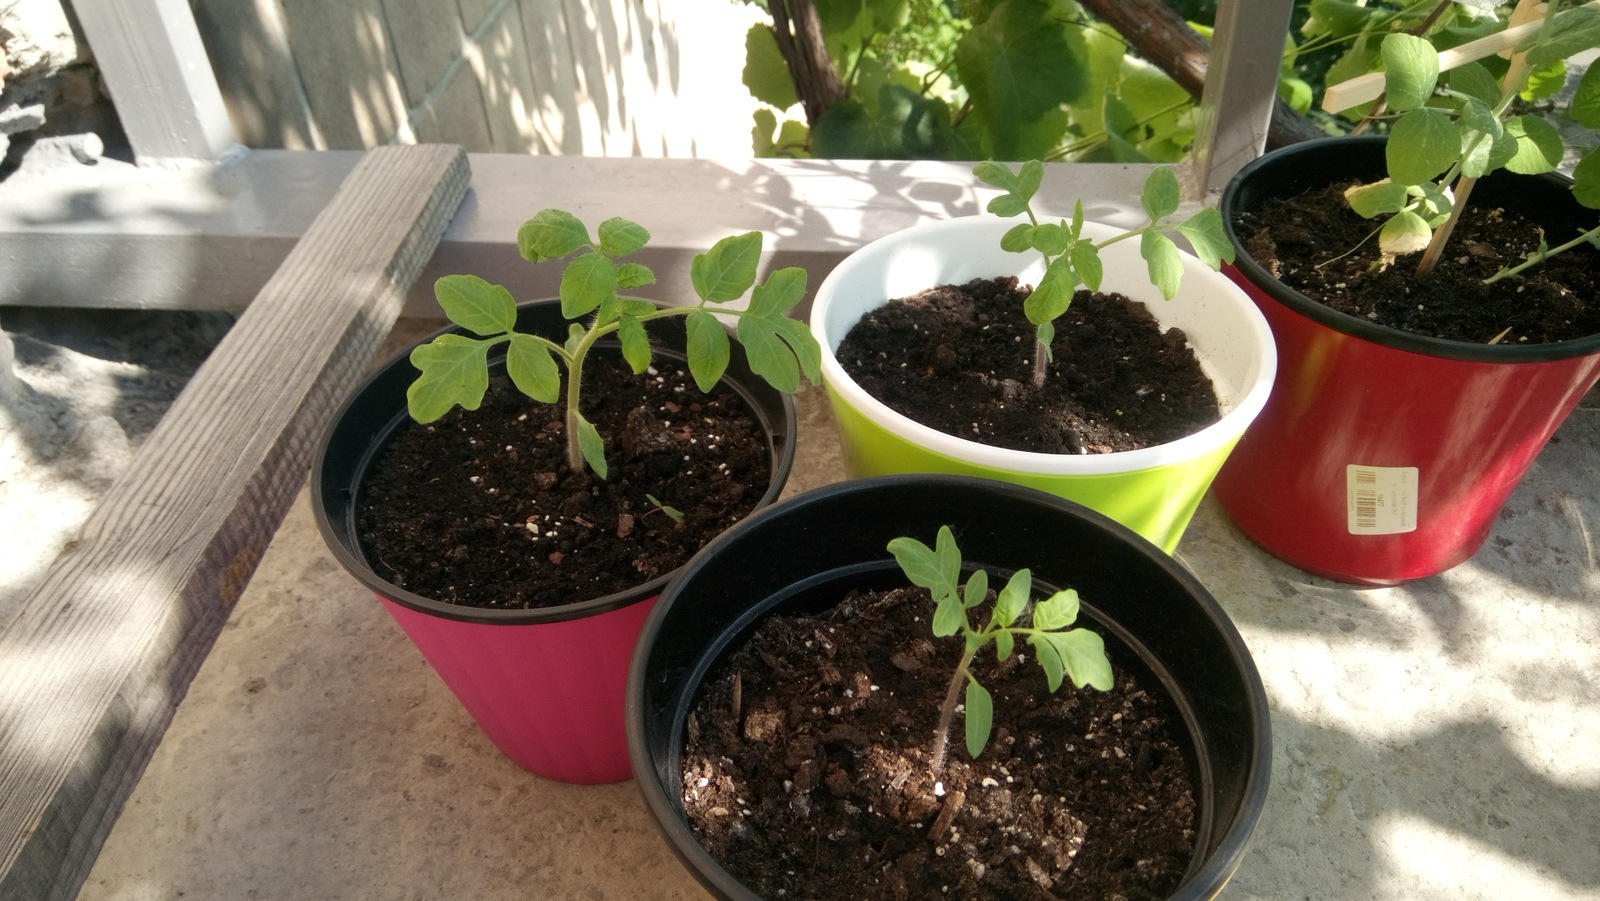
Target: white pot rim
1241 345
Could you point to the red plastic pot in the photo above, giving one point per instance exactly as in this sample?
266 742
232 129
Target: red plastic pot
546 685
1384 456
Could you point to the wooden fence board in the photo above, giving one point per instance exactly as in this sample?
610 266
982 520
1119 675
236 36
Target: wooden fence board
95 662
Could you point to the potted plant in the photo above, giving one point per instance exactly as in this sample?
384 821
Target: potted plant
1154 489
1404 417
727 639
519 551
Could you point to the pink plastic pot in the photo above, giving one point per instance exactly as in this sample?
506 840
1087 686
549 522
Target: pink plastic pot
547 685
548 694
1384 456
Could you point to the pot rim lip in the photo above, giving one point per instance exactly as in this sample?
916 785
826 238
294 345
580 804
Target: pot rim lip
1250 401
1366 330
354 564
1232 844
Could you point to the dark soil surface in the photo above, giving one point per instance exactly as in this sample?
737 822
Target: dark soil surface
1300 241
960 359
481 509
815 784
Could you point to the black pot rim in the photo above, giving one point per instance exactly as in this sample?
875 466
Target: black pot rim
334 536
1303 156
1208 878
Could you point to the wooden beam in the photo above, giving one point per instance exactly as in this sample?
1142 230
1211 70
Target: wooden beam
1235 111
94 664
1161 36
159 77
118 236
1364 88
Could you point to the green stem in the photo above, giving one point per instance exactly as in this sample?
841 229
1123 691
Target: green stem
941 734
574 383
1588 237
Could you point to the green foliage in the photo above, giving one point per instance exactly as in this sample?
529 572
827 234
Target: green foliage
1078 654
971 79
1473 125
1072 260
673 513
454 367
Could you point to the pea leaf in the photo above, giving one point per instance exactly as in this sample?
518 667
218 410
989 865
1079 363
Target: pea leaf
1539 147
532 369
728 269
1585 108
1164 262
1422 145
455 370
1377 198
1545 82
590 445
707 349
1586 180
1475 81
1411 71
1405 232
476 305
587 280
1160 196
980 717
1574 31
550 235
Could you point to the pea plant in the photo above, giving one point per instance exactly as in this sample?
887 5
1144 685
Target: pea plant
1076 653
1072 260
1446 133
455 367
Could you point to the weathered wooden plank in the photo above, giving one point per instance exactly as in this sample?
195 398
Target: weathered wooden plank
170 107
1235 111
93 666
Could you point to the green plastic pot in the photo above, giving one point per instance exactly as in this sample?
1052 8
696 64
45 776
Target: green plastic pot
1153 491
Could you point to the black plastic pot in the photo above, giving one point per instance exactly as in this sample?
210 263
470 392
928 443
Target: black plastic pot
547 684
1431 433
814 547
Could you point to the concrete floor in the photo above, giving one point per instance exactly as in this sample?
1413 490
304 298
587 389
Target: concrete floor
1439 740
